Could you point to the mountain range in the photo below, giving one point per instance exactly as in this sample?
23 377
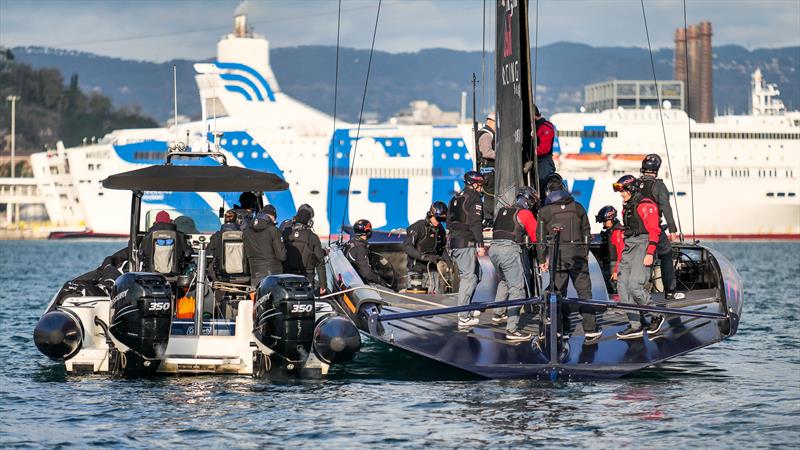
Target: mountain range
438 75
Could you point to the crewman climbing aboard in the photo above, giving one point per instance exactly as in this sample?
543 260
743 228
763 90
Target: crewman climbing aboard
655 189
465 222
511 226
424 246
613 242
640 217
486 146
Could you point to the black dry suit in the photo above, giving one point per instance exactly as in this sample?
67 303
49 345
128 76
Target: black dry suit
357 251
570 215
465 219
424 244
507 226
264 249
304 253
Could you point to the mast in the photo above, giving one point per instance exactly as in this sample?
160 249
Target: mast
514 99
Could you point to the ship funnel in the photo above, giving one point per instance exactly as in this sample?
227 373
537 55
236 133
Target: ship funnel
240 20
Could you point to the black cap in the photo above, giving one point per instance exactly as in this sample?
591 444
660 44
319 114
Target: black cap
269 209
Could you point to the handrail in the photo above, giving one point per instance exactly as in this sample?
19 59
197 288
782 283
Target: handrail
224 159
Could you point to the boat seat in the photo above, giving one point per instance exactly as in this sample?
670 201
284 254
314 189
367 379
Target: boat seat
230 261
166 253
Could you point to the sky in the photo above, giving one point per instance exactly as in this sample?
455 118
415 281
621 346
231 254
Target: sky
160 30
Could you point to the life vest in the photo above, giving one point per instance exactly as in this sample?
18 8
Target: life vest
646 185
429 241
299 257
457 212
507 226
633 223
567 215
486 130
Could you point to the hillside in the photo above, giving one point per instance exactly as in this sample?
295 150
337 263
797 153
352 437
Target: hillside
438 75
49 110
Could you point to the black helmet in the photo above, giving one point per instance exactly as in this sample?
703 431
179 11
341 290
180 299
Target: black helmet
651 163
554 182
527 197
363 227
306 207
607 212
626 183
439 211
248 200
474 177
556 196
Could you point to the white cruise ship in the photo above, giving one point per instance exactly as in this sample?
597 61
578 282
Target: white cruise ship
745 168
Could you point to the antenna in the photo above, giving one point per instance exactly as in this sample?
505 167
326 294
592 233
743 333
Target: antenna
175 99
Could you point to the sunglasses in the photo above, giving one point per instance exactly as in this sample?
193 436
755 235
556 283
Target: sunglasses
618 187
165 241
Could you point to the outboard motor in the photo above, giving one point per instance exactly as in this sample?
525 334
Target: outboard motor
284 317
59 335
141 318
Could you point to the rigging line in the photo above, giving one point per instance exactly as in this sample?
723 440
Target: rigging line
483 62
688 117
335 98
661 116
535 75
360 117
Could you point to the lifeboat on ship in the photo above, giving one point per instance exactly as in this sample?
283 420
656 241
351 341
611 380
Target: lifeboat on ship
585 162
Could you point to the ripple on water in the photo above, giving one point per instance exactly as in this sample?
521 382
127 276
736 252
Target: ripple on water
743 392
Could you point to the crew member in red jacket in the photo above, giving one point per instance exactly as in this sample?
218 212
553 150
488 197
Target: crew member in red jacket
545 137
641 220
613 242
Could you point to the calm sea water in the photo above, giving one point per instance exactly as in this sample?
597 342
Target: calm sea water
744 392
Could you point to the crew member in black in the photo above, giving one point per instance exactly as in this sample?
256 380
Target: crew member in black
553 182
304 254
465 222
357 251
248 202
654 188
486 146
182 250
561 210
613 242
286 224
263 246
424 246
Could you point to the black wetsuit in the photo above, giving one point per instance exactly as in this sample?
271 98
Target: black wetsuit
655 189
424 244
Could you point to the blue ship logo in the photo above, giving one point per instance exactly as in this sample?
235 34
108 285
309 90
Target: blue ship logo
244 80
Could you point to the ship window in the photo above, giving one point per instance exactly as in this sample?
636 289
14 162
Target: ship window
770 194
792 194
781 194
314 192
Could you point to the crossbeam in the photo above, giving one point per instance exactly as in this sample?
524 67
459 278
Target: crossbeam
462 308
641 308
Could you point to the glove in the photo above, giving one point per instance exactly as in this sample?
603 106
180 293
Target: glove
527 167
430 258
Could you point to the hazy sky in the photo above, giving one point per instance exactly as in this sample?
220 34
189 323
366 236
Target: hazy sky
164 29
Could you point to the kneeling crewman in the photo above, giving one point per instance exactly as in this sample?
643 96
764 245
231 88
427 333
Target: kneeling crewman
424 245
511 225
357 251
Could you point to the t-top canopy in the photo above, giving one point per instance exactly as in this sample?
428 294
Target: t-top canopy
196 179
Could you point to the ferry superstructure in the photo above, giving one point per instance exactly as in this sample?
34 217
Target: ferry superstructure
745 168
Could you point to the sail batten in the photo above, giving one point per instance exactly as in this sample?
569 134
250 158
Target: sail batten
514 100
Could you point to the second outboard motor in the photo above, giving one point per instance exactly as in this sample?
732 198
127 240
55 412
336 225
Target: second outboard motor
284 317
141 318
336 340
